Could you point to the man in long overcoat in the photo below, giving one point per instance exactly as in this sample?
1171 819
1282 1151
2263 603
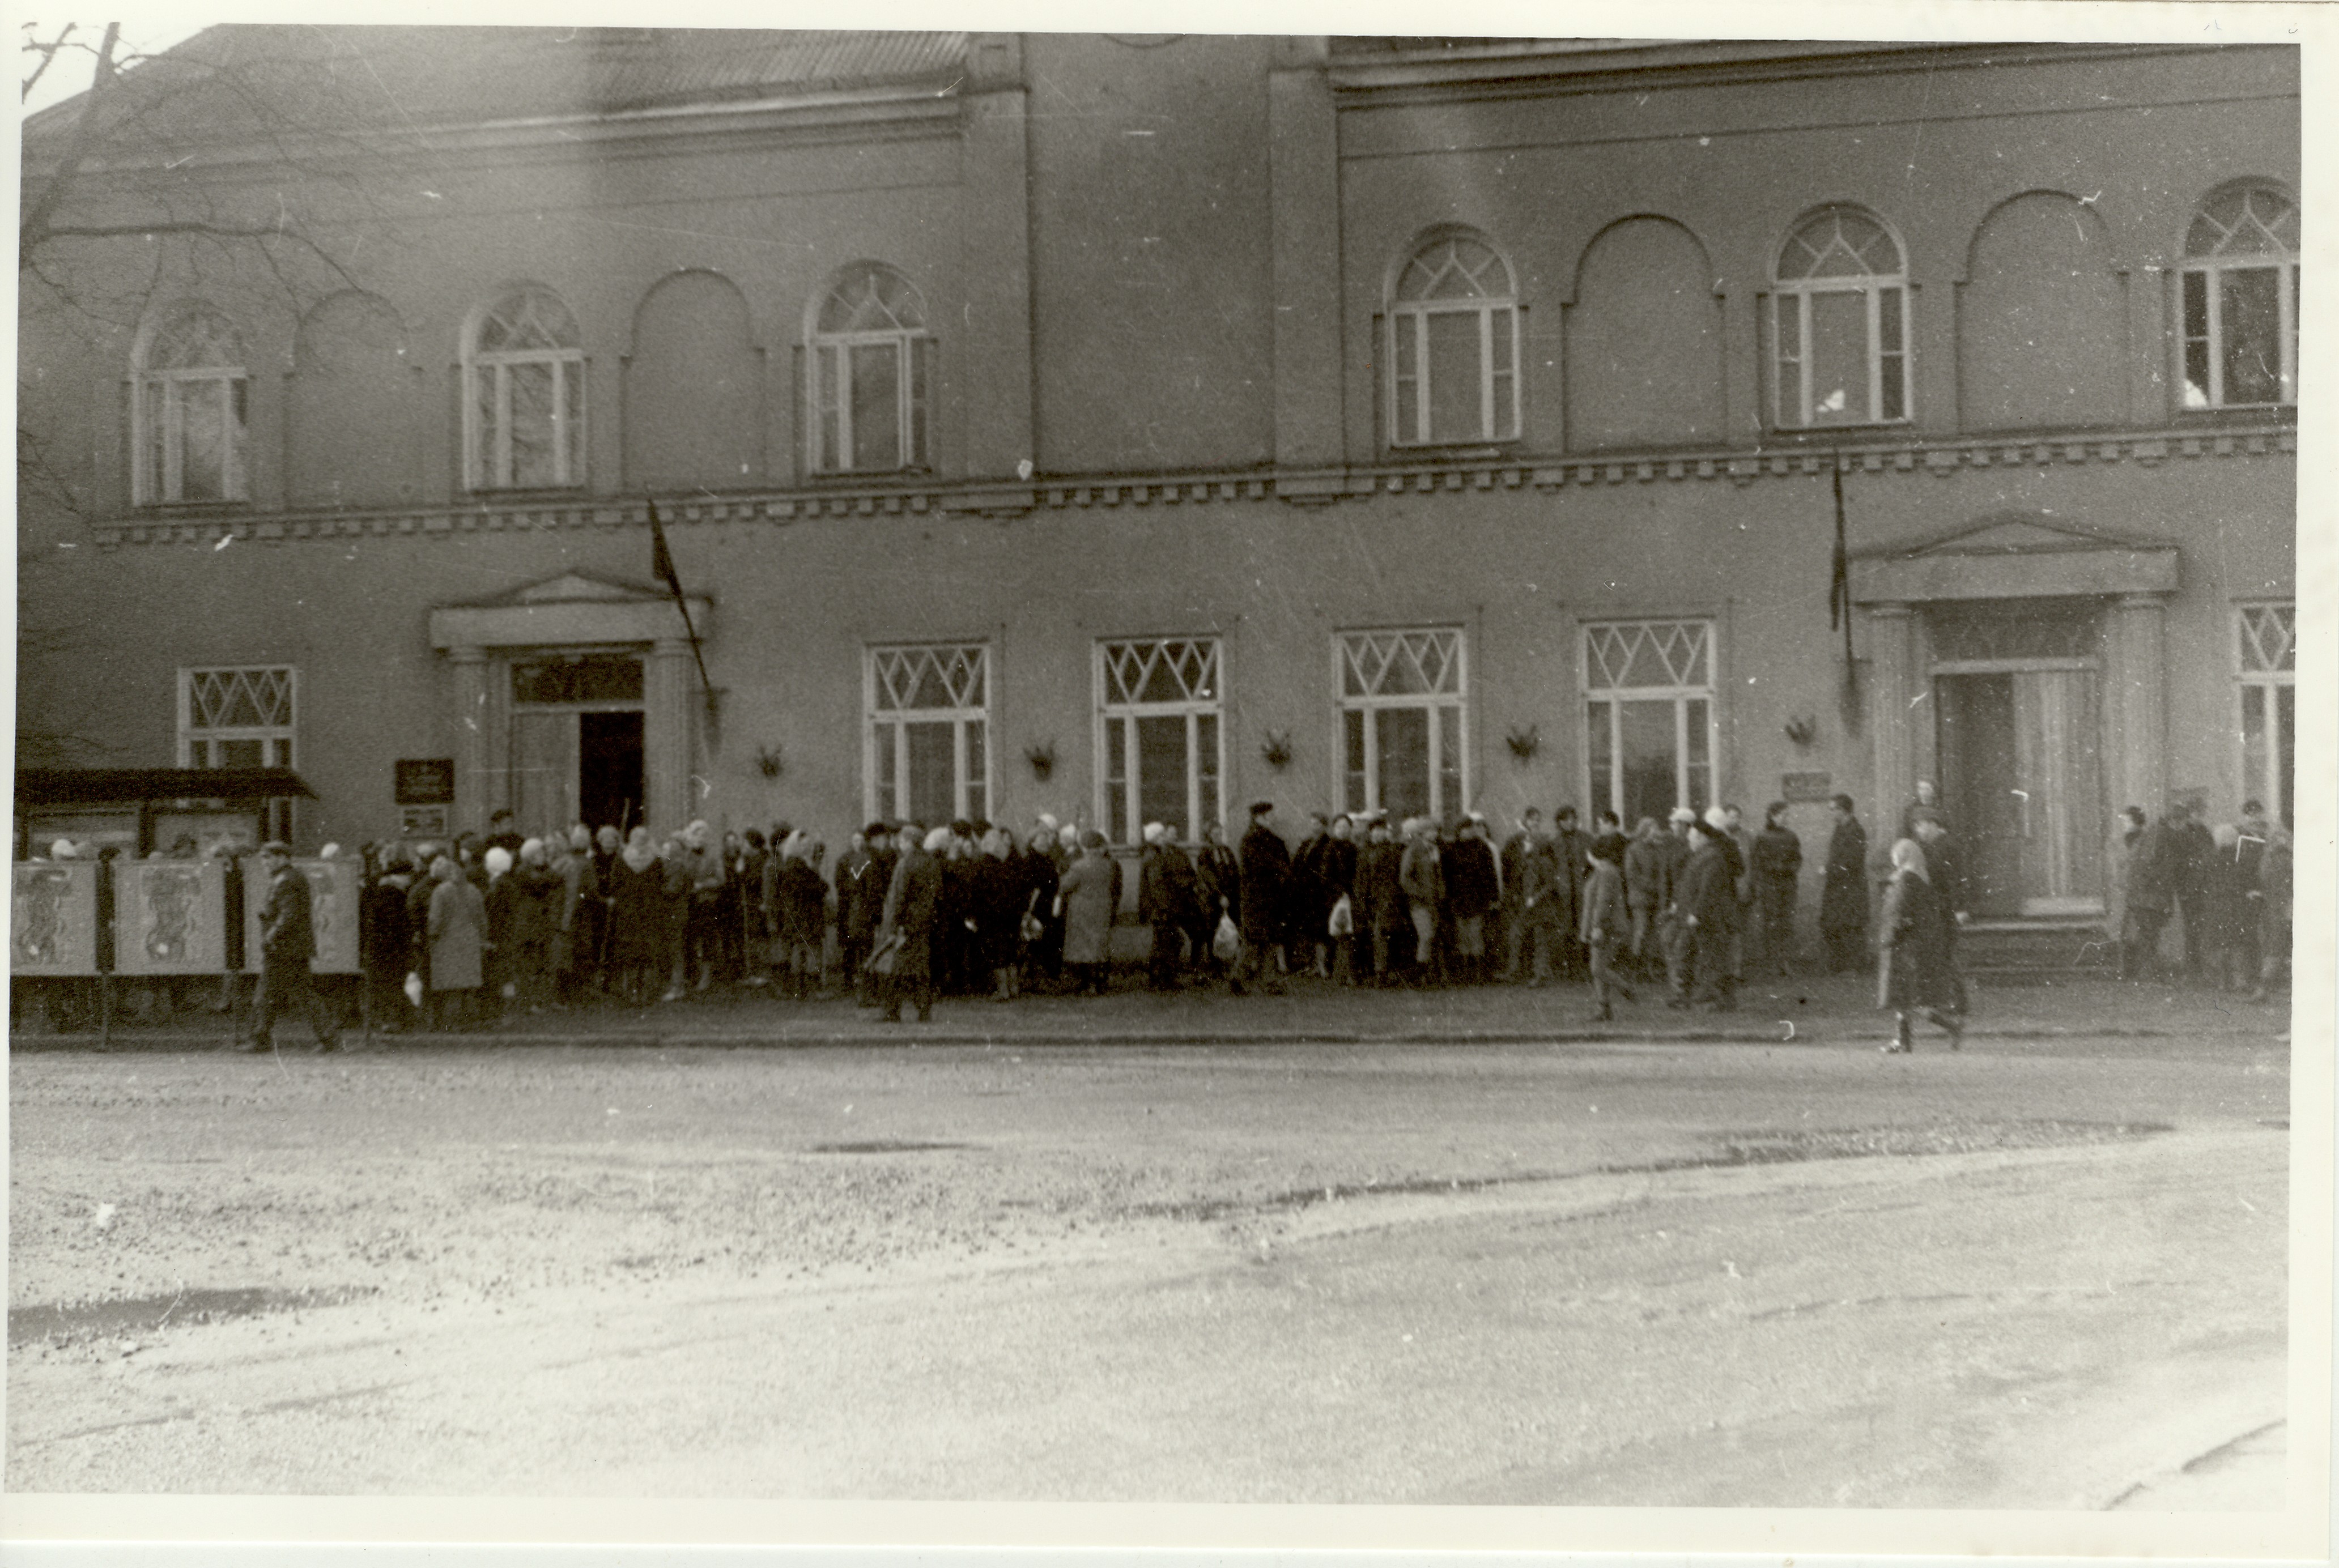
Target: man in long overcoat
288 940
1266 893
1843 895
910 903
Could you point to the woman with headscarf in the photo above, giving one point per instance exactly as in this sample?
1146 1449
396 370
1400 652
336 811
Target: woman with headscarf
1916 974
456 929
503 901
1085 897
637 917
1001 890
802 908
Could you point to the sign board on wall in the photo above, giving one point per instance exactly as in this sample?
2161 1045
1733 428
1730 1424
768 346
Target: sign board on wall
170 917
1802 788
332 909
422 821
425 781
53 919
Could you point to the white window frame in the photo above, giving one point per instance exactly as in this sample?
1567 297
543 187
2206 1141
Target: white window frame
1494 312
1791 301
487 445
1119 714
1608 793
883 726
828 370
2265 661
158 417
2207 274
280 745
1365 794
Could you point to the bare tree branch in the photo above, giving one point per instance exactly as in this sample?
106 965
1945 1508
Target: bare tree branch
34 223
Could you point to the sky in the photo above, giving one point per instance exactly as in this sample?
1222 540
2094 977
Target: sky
151 34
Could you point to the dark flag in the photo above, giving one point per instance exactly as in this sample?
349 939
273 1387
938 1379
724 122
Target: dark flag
1840 582
662 567
662 563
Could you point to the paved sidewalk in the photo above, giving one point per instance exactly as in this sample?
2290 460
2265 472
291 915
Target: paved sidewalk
1832 1009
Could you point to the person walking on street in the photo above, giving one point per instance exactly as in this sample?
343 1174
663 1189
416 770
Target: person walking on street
1777 862
1605 922
1844 892
1916 972
1266 891
288 940
906 932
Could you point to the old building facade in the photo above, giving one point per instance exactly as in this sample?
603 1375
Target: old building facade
1129 428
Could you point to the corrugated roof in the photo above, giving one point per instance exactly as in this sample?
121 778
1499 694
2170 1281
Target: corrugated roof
251 78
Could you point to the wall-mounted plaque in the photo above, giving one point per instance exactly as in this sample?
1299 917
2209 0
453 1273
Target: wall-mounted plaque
425 781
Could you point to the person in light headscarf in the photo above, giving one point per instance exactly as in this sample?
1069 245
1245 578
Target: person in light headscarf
638 920
905 930
1915 974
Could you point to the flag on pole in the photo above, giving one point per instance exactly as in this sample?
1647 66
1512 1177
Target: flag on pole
662 562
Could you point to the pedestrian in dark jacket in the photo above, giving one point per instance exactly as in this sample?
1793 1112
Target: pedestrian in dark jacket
1573 848
1378 899
1843 895
1473 891
1516 849
385 942
1646 893
1307 923
860 898
2196 850
1776 863
1265 894
288 940
1043 946
1340 874
1605 922
1706 902
1917 972
637 921
803 909
906 928
1165 900
1421 872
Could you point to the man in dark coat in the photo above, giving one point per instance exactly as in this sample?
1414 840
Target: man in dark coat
2152 873
1775 863
1378 899
860 898
1516 849
2196 847
1843 897
1473 885
1165 895
1707 903
907 923
1266 893
1574 848
288 940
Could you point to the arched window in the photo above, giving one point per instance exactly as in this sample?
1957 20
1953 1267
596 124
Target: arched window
1454 346
188 411
2241 299
523 393
1840 324
870 368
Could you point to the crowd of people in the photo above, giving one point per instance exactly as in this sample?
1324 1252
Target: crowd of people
460 934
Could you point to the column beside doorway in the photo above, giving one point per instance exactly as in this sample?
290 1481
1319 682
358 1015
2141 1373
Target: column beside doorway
665 735
471 728
1891 717
2143 674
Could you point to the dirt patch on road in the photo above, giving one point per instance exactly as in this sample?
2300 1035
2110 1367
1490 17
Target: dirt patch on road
59 1324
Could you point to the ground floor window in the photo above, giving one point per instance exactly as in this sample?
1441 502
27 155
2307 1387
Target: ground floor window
2269 664
1404 709
1161 749
1649 717
929 757
241 717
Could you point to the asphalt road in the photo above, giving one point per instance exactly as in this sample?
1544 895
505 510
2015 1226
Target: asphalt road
2031 1275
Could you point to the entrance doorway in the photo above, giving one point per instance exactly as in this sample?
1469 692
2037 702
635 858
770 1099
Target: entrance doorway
2022 783
577 742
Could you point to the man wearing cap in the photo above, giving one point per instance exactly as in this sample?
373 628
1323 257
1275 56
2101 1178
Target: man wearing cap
288 940
1266 885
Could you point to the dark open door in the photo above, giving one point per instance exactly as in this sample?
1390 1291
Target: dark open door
1978 786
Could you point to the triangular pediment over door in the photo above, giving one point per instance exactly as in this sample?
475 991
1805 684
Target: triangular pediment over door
2014 555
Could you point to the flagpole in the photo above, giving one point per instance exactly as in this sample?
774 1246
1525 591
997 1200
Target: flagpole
662 565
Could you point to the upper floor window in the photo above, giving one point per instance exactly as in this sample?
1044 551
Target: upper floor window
1454 346
871 369
2241 299
236 718
188 414
1840 324
523 393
